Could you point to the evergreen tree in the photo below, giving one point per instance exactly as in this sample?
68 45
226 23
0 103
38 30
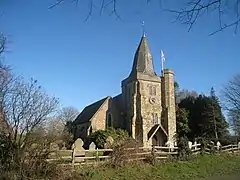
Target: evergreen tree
205 117
216 116
182 122
188 105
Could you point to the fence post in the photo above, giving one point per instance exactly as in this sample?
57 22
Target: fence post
73 157
153 155
97 158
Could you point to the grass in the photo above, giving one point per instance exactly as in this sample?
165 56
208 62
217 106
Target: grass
197 168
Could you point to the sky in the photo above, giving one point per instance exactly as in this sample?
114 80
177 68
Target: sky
82 61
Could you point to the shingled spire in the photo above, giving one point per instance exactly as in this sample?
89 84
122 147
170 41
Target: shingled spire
143 63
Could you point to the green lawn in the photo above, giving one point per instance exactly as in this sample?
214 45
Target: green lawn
197 168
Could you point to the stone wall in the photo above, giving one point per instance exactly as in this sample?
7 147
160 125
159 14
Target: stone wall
100 118
115 109
168 94
150 106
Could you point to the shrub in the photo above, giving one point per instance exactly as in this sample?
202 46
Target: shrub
204 143
183 149
99 137
123 152
7 149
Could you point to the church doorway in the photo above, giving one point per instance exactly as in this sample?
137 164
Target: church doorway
154 141
157 136
159 139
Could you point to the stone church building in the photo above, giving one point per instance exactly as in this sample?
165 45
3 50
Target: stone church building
145 107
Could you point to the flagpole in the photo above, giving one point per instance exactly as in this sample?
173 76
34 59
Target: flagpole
162 59
162 67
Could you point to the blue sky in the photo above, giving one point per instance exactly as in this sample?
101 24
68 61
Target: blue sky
81 62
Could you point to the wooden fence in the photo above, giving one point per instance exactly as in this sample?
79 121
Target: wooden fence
96 156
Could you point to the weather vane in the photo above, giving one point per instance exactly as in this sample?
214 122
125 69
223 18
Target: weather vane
143 28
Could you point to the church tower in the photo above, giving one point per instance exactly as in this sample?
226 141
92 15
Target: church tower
148 100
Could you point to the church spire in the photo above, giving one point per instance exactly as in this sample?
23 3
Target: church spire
143 59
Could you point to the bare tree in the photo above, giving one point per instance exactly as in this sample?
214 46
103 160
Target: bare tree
67 114
231 94
2 43
184 93
59 126
234 121
231 99
23 105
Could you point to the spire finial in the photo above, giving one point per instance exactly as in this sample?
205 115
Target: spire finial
143 29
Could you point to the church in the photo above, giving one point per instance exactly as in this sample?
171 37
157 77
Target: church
145 107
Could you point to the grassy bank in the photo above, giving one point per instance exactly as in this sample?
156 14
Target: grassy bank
197 168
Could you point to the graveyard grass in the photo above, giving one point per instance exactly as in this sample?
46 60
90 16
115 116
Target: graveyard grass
200 167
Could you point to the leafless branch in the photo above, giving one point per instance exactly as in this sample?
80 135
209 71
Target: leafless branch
56 4
194 8
231 94
23 105
2 43
235 23
91 5
104 4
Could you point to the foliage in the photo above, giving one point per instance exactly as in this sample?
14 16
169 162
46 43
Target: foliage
6 151
99 137
182 122
205 117
183 149
197 168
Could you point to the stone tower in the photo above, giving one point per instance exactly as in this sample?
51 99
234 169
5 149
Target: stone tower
149 101
168 105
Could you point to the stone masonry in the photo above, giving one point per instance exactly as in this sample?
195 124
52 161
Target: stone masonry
145 108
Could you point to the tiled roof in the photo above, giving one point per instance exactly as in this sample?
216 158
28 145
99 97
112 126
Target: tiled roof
89 111
143 60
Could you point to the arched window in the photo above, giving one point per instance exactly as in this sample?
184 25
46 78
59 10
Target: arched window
109 120
155 118
152 90
90 130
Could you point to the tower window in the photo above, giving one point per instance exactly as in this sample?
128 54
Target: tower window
152 90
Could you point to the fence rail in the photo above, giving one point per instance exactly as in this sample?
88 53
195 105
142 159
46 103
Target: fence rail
93 156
